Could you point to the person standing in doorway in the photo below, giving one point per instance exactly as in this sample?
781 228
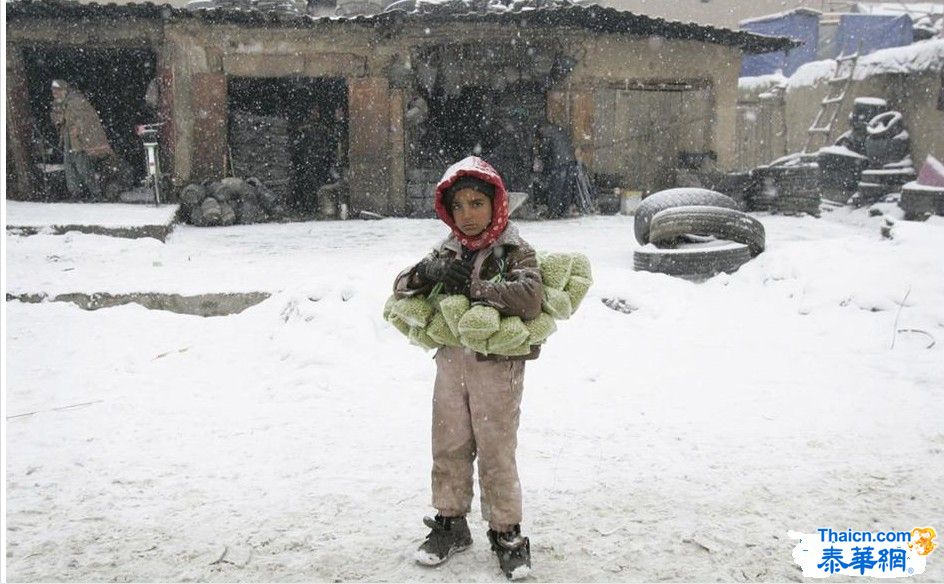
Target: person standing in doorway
82 139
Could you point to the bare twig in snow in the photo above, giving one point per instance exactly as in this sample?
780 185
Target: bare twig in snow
900 306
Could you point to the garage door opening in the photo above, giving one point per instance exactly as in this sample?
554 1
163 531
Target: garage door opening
114 81
498 126
291 133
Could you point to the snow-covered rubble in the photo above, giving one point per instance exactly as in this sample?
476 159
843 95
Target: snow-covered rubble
680 441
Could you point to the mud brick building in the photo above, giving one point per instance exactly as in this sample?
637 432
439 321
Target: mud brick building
401 93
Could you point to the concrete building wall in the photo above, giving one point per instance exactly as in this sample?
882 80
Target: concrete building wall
699 117
914 95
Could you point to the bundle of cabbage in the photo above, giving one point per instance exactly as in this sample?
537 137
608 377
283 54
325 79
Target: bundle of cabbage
450 320
567 279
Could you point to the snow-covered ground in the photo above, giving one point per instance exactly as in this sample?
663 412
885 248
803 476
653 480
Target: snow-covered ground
291 442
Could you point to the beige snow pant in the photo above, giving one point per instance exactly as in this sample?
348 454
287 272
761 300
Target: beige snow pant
476 408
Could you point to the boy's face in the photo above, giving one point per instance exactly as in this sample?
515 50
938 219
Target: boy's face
472 211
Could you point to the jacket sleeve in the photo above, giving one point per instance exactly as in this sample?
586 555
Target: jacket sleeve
408 284
522 291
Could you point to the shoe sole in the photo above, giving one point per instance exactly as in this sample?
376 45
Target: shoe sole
519 573
424 559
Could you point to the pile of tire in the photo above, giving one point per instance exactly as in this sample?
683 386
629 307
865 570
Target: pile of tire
863 110
921 201
789 188
888 148
840 172
228 202
694 234
261 147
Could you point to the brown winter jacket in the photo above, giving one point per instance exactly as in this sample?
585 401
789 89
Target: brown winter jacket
75 115
518 294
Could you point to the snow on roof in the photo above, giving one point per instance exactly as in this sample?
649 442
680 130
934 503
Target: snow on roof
913 9
762 82
537 13
915 58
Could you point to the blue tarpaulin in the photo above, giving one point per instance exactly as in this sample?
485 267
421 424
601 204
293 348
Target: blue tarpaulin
799 25
873 31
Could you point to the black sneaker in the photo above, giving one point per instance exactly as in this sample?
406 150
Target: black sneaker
513 551
449 535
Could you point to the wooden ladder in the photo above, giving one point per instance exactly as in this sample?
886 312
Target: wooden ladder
829 108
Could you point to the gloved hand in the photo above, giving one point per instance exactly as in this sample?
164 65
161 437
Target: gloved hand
454 274
432 270
458 278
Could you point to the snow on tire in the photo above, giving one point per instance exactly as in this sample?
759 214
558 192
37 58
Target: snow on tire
695 261
675 198
730 224
885 125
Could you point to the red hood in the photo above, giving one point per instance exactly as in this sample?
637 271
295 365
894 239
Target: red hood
475 166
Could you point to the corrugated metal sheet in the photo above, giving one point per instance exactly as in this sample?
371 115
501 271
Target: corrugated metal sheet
591 17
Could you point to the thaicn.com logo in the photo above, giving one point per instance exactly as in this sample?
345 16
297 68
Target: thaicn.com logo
876 554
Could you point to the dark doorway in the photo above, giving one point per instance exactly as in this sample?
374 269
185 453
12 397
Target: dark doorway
291 133
496 125
113 80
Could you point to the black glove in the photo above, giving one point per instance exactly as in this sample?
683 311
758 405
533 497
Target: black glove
432 270
458 278
454 274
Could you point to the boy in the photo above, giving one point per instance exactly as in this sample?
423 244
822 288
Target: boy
477 398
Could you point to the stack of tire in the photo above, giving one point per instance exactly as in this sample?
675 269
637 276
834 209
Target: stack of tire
228 202
888 148
694 234
840 171
790 188
261 147
863 110
920 201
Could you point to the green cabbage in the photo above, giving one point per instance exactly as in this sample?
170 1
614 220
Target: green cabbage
557 304
577 289
439 332
419 338
511 333
519 351
555 270
453 308
540 328
415 311
477 345
581 266
399 324
479 323
388 305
